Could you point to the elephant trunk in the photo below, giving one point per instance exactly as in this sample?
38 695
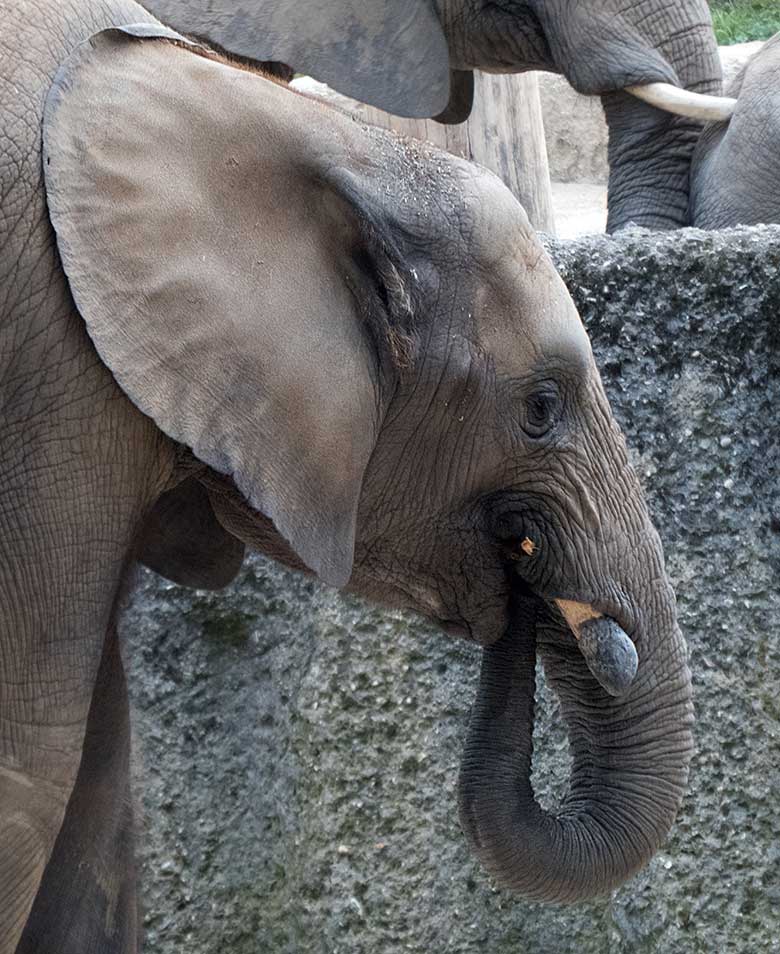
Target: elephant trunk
650 151
630 764
649 156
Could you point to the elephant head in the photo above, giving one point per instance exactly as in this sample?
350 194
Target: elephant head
415 58
373 371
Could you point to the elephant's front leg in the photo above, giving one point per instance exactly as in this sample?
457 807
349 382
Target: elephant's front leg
95 911
29 817
75 481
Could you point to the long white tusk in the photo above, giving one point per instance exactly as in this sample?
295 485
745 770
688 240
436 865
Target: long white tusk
683 102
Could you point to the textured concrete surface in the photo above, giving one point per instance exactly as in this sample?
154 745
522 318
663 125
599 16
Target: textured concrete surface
575 129
297 752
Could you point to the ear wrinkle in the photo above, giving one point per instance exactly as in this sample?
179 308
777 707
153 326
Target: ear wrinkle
392 312
390 297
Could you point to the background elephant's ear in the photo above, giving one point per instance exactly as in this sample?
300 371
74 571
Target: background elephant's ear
458 109
392 55
208 260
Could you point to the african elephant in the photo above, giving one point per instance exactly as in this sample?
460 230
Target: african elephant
399 56
735 171
233 316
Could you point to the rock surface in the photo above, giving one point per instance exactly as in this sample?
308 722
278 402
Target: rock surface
298 751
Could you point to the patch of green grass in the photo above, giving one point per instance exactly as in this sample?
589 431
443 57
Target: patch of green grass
739 21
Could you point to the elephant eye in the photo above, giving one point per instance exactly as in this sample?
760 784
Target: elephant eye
541 410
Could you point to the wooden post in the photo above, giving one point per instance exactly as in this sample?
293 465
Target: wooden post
504 133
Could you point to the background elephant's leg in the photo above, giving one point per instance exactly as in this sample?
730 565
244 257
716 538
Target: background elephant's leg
75 479
93 908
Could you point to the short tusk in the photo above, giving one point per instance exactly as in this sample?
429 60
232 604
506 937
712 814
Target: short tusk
576 614
683 102
608 652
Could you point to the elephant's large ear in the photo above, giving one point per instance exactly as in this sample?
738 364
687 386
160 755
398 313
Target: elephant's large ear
392 55
212 254
183 541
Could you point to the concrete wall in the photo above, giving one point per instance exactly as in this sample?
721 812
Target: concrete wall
297 752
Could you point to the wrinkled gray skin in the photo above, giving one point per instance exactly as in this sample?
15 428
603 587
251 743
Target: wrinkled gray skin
600 46
735 175
261 323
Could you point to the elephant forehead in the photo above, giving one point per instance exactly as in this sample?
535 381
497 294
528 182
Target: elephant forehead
526 321
523 312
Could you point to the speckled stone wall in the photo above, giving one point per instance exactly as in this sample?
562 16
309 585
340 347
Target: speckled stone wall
297 753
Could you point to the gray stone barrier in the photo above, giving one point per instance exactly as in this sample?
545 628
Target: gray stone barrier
298 752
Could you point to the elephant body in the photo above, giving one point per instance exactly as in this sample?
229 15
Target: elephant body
63 759
234 317
735 172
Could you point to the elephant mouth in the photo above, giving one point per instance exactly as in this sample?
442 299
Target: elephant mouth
451 628
607 649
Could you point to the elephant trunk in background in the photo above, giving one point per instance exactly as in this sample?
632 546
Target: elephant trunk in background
649 156
630 760
650 151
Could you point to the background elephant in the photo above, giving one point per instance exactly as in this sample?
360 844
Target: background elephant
400 60
735 173
261 323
